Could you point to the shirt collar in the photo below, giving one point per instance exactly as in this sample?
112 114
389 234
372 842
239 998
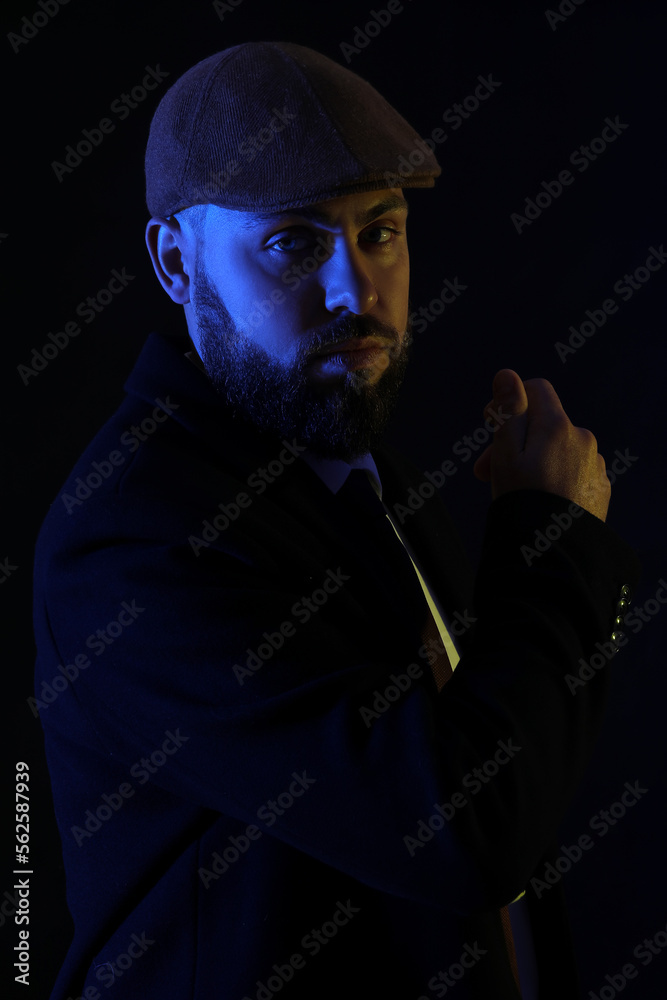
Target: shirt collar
334 471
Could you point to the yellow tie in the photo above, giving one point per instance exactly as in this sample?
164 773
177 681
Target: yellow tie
434 632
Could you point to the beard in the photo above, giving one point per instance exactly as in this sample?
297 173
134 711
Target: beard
340 418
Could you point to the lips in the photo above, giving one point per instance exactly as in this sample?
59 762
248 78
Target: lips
368 353
353 345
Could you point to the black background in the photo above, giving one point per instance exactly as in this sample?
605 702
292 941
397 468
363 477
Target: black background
59 241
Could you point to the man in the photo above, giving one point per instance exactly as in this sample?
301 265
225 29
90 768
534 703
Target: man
266 777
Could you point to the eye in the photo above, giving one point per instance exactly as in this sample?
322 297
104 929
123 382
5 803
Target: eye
298 242
291 243
385 234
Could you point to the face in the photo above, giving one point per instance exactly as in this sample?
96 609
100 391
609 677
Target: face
301 319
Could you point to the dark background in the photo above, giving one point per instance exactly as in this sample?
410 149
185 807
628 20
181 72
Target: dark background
59 242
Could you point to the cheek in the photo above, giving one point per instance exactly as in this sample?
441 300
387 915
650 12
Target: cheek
240 282
259 302
395 293
275 316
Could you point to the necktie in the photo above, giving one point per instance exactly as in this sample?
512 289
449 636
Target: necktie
359 491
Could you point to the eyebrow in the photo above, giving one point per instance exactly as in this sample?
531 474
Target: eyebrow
312 212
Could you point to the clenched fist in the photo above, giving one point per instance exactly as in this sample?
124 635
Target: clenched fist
538 448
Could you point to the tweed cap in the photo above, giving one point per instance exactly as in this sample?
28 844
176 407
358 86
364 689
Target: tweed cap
267 126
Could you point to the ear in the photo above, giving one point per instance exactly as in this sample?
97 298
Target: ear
171 256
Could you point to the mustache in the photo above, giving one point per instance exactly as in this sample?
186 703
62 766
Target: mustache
348 328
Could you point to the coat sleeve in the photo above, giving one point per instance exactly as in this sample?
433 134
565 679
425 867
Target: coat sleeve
447 799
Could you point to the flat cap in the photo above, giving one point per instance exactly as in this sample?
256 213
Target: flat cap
268 126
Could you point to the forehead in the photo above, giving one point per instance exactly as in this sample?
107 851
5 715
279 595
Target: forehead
357 209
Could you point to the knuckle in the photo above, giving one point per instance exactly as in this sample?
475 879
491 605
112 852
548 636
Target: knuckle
538 383
560 423
587 438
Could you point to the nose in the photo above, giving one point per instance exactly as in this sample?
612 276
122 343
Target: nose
347 280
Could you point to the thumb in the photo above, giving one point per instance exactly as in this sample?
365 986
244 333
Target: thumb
509 401
509 395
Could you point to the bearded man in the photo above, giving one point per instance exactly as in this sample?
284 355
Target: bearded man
299 751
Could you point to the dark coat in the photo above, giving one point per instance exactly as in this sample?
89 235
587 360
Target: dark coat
246 744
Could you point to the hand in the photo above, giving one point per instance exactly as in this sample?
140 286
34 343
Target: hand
536 447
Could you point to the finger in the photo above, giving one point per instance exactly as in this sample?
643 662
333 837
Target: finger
508 411
509 391
546 409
